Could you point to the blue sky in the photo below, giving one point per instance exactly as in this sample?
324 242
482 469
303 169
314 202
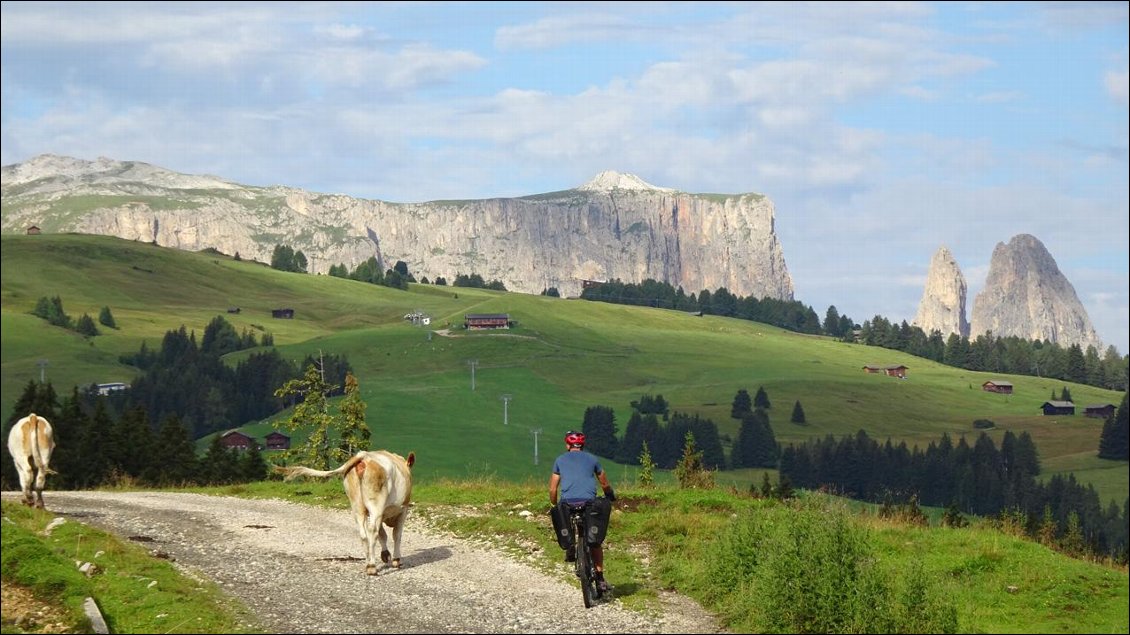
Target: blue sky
881 131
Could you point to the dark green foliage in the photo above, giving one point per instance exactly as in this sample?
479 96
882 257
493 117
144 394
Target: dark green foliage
85 326
952 517
798 414
690 471
174 457
252 465
983 424
401 267
1065 395
761 400
600 431
52 311
742 404
1115 440
106 318
648 404
40 399
551 292
220 338
220 465
647 468
756 446
441 281
285 258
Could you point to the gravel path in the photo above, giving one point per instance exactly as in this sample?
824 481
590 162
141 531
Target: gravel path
299 569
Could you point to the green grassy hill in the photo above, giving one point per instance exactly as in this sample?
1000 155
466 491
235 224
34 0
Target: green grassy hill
564 356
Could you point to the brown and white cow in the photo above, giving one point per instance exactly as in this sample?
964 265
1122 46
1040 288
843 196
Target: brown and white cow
31 442
379 487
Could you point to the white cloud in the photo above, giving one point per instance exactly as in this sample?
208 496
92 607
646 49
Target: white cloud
1118 86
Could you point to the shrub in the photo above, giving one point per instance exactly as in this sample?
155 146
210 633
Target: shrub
983 424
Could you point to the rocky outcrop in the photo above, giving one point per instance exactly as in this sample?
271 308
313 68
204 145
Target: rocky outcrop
1027 296
943 301
615 226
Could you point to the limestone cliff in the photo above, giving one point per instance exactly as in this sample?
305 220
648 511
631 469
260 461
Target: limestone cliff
1027 296
615 226
943 301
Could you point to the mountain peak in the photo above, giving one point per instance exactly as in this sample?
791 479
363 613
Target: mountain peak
611 180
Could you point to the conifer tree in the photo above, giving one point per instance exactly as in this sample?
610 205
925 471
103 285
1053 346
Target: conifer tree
742 404
1115 440
798 413
647 467
174 456
599 427
311 414
761 400
253 466
106 318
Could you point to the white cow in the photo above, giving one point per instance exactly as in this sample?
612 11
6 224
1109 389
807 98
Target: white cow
31 442
379 487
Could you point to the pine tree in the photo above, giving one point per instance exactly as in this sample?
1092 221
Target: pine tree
253 467
220 465
798 414
761 400
1065 395
599 427
174 456
742 404
1115 440
105 318
647 467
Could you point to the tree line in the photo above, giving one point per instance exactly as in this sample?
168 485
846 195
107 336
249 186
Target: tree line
986 352
980 479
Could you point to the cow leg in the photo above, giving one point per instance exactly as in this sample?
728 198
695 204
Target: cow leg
40 484
27 478
397 530
385 555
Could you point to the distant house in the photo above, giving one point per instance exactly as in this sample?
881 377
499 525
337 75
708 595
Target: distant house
892 371
589 284
114 386
1058 408
284 314
998 386
233 309
486 321
1102 410
33 231
277 441
236 439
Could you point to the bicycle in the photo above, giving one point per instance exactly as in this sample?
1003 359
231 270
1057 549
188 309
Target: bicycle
585 567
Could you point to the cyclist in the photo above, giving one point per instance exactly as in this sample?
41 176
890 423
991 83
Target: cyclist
573 473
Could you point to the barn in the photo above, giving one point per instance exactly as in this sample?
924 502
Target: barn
284 314
486 321
891 370
277 441
997 386
1058 408
236 439
1101 410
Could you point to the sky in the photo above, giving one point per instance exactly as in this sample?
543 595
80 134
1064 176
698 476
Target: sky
881 131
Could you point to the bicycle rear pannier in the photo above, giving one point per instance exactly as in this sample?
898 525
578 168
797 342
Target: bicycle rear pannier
596 521
561 526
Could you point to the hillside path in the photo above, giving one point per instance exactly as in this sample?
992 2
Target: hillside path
298 568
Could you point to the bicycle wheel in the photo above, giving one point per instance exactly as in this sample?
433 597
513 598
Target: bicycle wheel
584 573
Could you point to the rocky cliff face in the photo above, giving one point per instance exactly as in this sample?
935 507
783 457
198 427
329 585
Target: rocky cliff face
1027 296
943 301
615 226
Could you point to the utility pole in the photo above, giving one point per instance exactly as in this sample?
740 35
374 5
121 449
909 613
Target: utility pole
506 409
536 432
473 363
42 367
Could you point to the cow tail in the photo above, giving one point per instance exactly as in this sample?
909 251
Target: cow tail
36 451
291 473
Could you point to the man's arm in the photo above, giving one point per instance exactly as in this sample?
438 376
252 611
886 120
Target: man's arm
605 485
553 481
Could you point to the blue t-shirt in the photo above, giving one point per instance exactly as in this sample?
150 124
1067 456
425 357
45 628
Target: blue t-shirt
578 472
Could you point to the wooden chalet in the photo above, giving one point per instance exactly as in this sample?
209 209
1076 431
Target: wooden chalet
34 231
997 386
486 321
236 439
1058 408
1102 410
277 441
891 371
284 314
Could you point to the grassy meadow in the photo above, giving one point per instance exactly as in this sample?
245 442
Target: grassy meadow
564 355
473 471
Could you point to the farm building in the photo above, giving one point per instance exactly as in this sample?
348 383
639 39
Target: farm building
995 385
1058 408
236 439
486 321
892 371
1102 410
277 441
285 314
33 231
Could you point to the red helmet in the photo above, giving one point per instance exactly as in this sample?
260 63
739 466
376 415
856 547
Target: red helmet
576 439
